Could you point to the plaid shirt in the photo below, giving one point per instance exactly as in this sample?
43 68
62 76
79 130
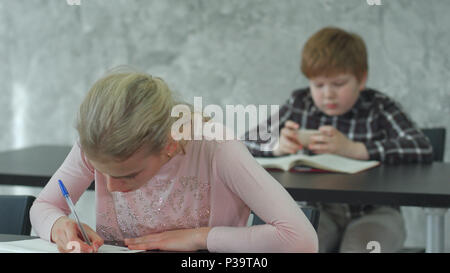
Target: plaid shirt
388 133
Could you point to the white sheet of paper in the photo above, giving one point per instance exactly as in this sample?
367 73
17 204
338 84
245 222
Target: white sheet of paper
43 246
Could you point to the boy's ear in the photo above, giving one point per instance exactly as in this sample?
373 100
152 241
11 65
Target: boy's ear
363 81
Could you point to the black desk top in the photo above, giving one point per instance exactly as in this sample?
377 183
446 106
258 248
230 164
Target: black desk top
11 237
402 185
31 166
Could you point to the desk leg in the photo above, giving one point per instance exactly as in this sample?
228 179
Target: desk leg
435 229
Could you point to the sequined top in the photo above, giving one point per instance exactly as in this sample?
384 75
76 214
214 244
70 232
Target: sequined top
215 184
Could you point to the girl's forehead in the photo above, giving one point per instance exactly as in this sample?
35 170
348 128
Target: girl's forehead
135 163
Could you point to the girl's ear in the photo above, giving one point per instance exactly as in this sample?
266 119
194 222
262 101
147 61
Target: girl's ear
171 147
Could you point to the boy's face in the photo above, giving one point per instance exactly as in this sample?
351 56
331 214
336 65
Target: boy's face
336 95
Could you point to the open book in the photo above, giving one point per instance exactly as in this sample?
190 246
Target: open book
325 162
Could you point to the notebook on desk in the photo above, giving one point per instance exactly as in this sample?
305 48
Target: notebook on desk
316 163
43 246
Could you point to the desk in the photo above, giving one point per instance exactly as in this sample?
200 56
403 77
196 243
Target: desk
11 237
32 166
402 185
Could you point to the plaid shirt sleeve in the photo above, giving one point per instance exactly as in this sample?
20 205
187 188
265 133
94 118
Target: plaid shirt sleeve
255 146
404 142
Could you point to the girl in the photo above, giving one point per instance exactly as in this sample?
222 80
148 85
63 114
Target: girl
153 192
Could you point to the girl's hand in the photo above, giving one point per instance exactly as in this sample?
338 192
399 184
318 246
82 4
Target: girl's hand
334 142
67 236
174 240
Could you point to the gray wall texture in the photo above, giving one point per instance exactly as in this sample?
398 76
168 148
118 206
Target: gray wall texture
226 51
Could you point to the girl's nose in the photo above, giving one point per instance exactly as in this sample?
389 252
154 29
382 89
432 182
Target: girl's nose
113 184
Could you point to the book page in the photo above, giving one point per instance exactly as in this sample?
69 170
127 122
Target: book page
43 246
282 162
338 163
329 162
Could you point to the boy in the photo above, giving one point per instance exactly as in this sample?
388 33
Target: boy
353 121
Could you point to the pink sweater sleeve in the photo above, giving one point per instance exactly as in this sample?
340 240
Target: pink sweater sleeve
287 228
50 205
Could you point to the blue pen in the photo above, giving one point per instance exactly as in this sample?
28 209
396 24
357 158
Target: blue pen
72 208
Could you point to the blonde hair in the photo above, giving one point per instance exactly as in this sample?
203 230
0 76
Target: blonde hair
124 111
331 51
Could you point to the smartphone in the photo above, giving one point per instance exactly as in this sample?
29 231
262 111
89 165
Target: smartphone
305 134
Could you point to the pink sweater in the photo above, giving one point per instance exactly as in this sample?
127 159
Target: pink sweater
216 184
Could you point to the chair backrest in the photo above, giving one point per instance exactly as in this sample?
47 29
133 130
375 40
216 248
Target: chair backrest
15 214
437 140
311 213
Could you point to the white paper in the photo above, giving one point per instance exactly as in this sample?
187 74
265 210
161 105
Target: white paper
43 246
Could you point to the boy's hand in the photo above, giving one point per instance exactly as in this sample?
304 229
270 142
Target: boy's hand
334 142
174 240
289 143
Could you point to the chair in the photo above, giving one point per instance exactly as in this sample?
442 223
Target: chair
437 140
311 213
15 214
